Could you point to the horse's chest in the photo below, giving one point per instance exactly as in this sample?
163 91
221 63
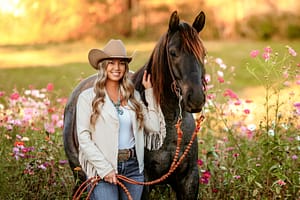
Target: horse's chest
159 162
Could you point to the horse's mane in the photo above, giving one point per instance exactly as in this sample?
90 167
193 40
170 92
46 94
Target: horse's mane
157 64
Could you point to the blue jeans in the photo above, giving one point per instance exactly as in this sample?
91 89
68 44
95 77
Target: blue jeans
108 191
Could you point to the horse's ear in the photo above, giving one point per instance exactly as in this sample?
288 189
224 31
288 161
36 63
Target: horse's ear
174 22
199 22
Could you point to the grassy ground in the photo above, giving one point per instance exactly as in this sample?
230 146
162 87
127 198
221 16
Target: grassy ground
66 64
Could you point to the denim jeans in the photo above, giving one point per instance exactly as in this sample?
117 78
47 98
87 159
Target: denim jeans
108 191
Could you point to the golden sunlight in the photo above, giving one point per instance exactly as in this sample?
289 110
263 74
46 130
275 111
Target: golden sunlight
12 7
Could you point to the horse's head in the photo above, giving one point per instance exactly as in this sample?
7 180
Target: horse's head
186 53
177 62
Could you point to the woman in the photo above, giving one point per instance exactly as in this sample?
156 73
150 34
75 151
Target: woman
111 120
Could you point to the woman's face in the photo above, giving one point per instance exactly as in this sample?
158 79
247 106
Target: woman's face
115 69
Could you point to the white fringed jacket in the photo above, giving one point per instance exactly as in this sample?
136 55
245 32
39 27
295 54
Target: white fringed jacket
98 147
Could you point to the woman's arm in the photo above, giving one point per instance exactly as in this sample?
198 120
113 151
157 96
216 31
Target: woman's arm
151 113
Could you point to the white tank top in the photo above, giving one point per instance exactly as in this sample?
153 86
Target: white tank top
126 138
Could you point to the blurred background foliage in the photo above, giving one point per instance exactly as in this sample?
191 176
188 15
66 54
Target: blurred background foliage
54 21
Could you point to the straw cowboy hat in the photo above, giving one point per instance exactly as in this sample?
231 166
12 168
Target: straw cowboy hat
113 49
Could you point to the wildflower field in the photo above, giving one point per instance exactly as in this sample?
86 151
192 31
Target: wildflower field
248 148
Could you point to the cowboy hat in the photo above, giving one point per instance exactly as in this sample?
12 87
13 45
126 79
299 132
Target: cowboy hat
113 49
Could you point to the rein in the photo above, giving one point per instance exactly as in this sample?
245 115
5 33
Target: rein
92 182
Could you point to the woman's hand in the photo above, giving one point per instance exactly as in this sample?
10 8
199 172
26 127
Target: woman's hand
111 177
147 80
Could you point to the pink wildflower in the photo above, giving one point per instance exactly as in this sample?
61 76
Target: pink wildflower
236 155
287 83
50 87
237 177
62 162
281 182
2 93
205 177
200 162
266 56
211 96
43 167
294 157
229 149
60 124
215 190
14 96
268 49
249 134
49 127
254 53
285 74
63 101
203 180
207 78
247 111
292 52
55 118
297 104
230 93
221 79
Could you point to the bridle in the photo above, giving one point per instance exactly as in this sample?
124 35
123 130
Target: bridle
174 85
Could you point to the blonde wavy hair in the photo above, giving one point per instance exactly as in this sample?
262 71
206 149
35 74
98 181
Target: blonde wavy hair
126 90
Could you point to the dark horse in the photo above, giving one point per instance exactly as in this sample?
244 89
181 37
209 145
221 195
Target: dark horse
177 69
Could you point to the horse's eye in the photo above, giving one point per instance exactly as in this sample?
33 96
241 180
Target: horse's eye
173 53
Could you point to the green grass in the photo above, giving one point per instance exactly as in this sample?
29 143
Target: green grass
66 64
64 77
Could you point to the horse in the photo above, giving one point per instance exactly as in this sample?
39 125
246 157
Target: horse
177 72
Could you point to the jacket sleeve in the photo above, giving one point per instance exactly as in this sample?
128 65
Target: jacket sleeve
151 113
92 153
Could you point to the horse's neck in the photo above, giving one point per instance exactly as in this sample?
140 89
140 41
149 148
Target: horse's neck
170 107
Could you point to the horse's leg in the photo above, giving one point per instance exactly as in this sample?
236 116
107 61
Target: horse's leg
187 187
147 189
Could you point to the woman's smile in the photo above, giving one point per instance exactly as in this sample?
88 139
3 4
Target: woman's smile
115 69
